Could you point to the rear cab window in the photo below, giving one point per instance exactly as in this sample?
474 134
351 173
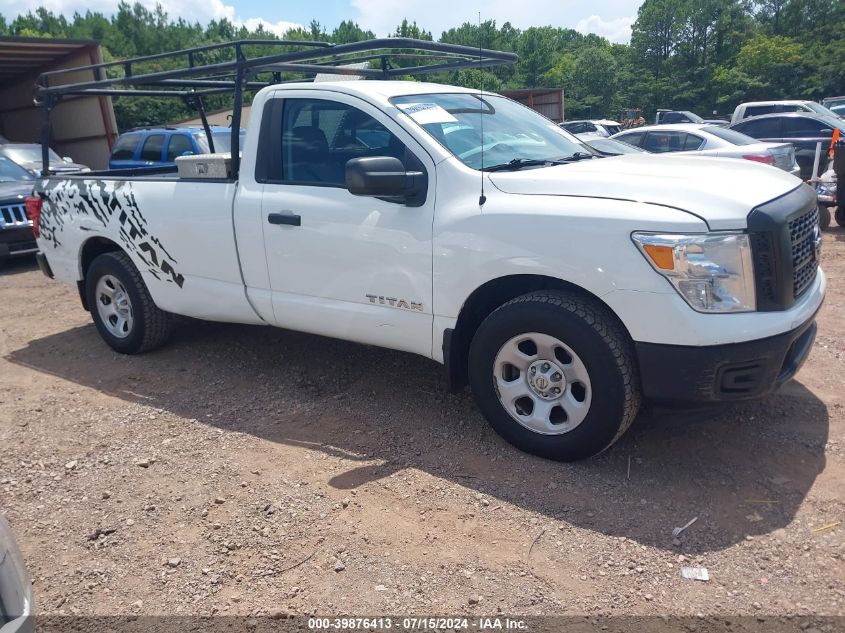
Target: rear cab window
758 110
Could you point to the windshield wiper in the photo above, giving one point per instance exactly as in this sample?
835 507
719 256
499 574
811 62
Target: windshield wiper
518 163
574 157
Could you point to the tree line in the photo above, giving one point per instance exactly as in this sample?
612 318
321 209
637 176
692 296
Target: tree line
700 55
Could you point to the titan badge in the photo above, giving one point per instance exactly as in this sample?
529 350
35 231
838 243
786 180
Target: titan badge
395 303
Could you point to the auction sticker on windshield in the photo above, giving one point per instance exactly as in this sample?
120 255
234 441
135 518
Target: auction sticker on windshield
424 113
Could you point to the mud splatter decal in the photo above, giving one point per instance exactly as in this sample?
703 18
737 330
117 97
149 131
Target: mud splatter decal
113 205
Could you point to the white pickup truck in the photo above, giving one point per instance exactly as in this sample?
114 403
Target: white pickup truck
566 289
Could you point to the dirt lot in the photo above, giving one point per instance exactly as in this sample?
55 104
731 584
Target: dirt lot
245 470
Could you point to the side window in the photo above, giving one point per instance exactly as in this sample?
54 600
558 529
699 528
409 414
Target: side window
761 128
634 138
152 148
799 127
124 149
318 138
665 141
178 145
758 110
673 117
791 107
693 142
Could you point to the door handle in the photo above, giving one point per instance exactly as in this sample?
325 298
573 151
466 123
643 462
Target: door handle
284 218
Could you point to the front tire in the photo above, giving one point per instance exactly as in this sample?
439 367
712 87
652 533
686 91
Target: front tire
824 217
121 306
555 375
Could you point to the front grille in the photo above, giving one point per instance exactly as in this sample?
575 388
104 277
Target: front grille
803 233
13 216
784 242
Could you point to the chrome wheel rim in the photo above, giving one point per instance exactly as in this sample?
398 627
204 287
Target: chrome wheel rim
113 306
542 383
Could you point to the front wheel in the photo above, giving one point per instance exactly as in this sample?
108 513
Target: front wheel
824 217
123 310
555 375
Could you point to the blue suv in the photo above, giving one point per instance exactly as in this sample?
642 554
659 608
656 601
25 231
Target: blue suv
160 146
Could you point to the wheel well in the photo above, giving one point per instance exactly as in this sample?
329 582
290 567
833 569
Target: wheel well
93 248
484 300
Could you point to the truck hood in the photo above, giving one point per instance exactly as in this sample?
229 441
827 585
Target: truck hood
721 191
15 192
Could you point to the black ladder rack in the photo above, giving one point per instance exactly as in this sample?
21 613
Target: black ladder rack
201 72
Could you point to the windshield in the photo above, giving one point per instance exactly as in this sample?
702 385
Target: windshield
731 136
30 154
817 107
511 132
11 171
222 142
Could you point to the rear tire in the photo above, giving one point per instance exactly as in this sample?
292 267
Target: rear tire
555 375
840 216
121 306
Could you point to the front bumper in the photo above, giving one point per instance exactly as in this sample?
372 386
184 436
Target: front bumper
678 375
17 242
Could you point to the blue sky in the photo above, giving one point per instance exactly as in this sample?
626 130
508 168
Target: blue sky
610 18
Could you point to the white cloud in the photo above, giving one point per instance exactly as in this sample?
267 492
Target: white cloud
279 28
383 16
618 30
192 10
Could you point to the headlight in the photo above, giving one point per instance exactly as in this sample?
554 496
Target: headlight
712 272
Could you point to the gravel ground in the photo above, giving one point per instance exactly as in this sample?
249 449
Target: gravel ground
253 471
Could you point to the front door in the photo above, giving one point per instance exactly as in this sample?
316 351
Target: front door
351 267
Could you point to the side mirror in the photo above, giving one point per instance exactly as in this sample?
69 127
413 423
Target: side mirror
385 177
67 159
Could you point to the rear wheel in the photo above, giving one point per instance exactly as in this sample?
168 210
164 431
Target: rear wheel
554 374
840 216
121 306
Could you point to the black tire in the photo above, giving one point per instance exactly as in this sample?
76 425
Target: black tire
598 340
840 216
824 217
151 326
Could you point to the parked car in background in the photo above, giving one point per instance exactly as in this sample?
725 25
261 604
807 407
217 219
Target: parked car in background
161 146
664 117
28 156
16 605
759 108
609 146
600 127
838 110
16 237
710 140
803 129
832 102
